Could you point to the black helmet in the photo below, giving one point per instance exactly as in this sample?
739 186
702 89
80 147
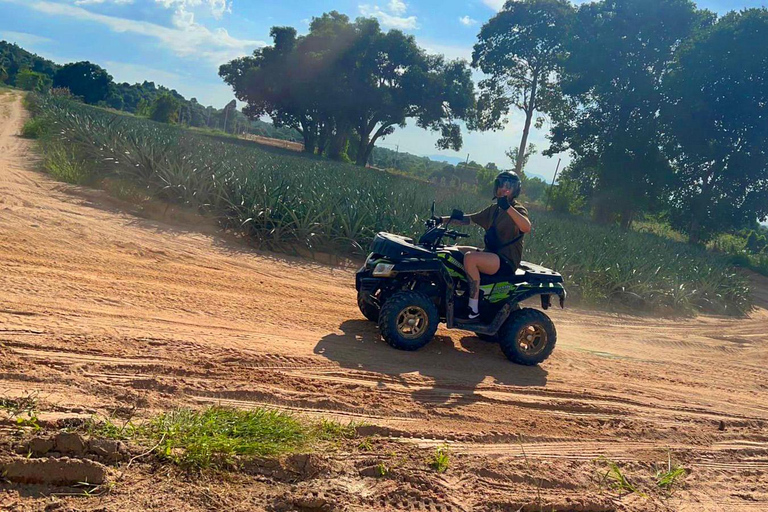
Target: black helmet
507 177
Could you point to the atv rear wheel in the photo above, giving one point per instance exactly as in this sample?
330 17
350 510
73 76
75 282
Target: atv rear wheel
408 320
369 311
528 337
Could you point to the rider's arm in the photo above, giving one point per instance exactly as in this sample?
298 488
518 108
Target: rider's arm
481 218
519 216
465 221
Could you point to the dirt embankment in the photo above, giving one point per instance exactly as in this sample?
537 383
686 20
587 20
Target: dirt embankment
104 312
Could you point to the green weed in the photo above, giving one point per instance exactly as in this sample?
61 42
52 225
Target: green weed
440 459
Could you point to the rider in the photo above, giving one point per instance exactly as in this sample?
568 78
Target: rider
505 224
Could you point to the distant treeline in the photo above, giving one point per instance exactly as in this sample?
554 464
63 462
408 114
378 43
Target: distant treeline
94 85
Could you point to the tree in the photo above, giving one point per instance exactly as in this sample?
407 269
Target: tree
522 48
3 74
716 121
515 157
15 59
389 79
618 54
271 84
33 81
345 77
84 79
534 188
165 109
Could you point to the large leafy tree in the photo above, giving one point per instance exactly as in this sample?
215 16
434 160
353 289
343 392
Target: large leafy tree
349 78
389 79
84 79
522 50
272 83
717 126
618 54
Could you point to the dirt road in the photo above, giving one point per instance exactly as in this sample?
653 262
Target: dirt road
102 310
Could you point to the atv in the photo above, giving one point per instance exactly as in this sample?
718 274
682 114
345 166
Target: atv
409 288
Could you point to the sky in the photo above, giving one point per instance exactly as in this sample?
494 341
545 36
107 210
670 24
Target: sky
181 43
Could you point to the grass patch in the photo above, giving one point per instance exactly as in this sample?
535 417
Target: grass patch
202 438
125 190
440 459
35 128
219 436
64 164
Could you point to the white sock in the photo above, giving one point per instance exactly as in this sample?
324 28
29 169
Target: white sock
473 305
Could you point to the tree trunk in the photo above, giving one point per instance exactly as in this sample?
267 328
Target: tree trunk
337 148
309 133
627 215
324 138
527 128
362 150
694 231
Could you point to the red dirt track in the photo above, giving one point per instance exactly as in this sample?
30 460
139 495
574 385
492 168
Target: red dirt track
103 310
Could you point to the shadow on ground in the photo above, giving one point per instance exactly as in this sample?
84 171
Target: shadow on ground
456 371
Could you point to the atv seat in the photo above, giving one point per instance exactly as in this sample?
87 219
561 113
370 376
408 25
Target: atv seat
527 273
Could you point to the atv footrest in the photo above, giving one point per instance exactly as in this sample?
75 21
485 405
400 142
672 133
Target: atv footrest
476 327
481 328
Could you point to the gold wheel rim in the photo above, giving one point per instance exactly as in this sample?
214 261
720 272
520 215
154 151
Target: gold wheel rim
412 322
532 339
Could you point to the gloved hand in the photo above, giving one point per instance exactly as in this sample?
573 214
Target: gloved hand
457 215
503 203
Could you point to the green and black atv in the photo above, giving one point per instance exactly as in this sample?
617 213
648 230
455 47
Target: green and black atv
408 289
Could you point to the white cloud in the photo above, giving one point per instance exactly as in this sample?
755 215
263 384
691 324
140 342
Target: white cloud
187 39
390 19
24 39
217 8
496 5
466 20
397 7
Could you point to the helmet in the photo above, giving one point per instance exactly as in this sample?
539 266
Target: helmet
505 178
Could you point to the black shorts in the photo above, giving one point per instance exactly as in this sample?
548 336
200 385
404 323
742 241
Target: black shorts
506 266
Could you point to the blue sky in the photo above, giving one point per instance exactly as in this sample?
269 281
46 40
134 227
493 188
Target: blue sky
181 43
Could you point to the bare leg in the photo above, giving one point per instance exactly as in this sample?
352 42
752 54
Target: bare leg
476 262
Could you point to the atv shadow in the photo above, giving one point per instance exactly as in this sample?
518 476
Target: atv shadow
456 371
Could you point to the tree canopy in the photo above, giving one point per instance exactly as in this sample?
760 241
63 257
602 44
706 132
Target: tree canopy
716 118
84 79
522 50
346 78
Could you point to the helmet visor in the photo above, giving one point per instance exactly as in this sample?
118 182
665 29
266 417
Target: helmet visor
504 183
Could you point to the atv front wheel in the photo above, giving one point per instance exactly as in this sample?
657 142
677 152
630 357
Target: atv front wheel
408 320
369 311
528 337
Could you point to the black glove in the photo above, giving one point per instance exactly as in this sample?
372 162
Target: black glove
503 203
457 215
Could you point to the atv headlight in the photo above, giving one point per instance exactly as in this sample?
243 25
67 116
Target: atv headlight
383 269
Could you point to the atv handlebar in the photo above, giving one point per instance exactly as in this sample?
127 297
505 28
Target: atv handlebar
455 234
436 232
